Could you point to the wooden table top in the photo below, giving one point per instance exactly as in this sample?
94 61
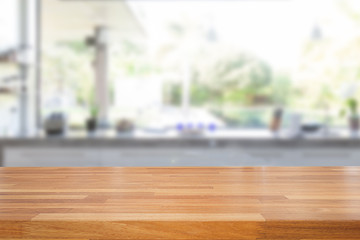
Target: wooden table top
181 203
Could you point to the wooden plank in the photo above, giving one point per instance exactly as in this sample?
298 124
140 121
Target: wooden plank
186 203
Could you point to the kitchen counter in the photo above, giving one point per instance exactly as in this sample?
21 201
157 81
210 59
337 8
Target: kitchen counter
223 148
172 138
180 203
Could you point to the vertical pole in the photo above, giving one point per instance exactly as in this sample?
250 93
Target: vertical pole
185 101
101 74
2 157
23 68
38 69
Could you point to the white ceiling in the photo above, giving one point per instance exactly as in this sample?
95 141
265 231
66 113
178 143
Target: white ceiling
76 19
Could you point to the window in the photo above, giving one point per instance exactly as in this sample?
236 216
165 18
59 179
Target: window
8 68
227 63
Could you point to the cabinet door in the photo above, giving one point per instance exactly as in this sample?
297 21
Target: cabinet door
137 157
226 157
328 157
159 157
304 157
51 157
156 157
177 157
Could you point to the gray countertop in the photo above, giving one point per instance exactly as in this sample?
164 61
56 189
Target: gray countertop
336 149
243 138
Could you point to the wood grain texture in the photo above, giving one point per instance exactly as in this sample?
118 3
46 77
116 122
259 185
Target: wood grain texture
273 203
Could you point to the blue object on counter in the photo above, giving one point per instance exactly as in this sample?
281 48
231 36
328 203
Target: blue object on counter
180 126
199 126
212 127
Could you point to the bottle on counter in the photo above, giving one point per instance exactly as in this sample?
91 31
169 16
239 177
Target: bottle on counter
275 123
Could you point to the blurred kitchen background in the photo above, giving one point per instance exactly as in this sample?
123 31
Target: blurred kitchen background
165 66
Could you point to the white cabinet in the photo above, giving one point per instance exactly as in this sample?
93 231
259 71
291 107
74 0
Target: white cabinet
308 156
327 157
180 157
51 157
157 156
139 157
162 157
